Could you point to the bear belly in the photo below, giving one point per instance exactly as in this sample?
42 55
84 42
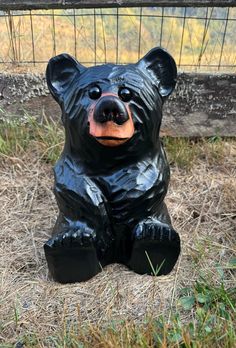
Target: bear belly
136 192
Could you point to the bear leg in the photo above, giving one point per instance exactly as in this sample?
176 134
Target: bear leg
82 236
72 255
156 247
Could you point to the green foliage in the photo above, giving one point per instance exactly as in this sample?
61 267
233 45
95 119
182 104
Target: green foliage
214 310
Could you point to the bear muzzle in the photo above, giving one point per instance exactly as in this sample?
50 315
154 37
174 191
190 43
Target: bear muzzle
110 108
110 121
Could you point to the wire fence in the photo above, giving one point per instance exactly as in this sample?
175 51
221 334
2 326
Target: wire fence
200 39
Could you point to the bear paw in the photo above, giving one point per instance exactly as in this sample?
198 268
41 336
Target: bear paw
72 256
83 237
156 248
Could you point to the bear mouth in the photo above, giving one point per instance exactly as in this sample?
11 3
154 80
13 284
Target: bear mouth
111 141
111 138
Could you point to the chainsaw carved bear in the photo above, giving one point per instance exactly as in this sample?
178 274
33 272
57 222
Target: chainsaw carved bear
112 176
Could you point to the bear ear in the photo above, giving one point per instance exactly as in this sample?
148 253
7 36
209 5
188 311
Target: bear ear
162 67
60 72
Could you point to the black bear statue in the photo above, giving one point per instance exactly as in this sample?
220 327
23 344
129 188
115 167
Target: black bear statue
113 175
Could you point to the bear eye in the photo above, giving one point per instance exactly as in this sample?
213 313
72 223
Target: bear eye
95 92
125 94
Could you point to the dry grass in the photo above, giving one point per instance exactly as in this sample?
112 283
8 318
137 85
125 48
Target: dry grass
202 204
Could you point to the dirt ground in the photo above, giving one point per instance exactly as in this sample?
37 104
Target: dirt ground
201 202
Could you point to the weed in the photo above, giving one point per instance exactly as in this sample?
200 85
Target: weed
213 308
155 270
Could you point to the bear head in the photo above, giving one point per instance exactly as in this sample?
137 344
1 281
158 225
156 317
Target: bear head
112 111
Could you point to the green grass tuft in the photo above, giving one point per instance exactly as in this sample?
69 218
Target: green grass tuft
184 152
46 138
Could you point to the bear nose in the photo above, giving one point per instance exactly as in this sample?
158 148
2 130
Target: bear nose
110 108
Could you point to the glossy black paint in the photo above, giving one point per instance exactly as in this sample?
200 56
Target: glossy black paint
111 198
110 108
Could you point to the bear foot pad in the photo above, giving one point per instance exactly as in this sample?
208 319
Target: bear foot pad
72 256
156 248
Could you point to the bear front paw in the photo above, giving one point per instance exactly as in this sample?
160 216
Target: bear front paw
73 238
156 248
154 229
